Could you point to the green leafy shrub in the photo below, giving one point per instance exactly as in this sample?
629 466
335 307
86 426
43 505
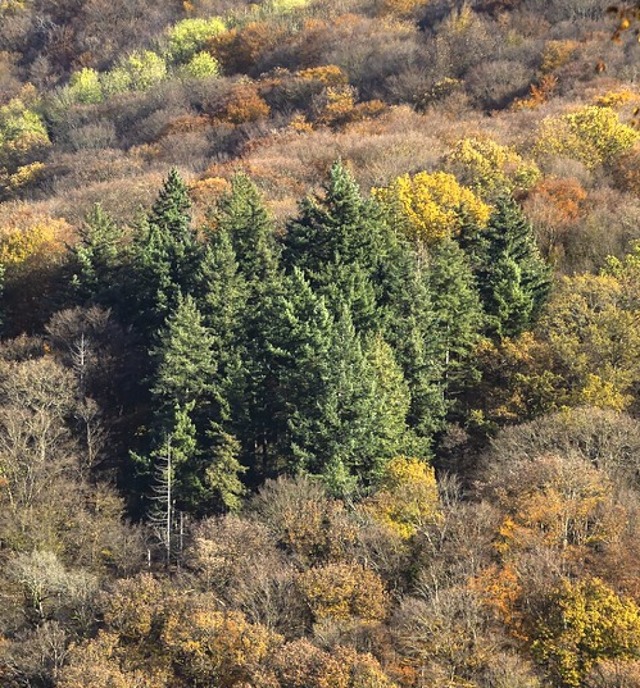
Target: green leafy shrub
190 36
145 69
201 66
593 135
85 87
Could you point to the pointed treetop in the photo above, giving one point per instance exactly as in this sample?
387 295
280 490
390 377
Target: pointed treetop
184 355
514 280
337 228
96 256
243 214
343 199
171 209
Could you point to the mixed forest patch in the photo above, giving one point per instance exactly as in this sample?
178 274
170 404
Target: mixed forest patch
320 344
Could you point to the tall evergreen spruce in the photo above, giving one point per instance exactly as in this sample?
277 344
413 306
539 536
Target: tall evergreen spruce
181 391
300 348
389 412
170 212
341 406
255 410
514 280
184 359
220 288
244 284
242 214
187 406
96 260
164 257
221 293
409 325
459 316
223 469
331 229
346 440
365 407
186 456
335 241
350 253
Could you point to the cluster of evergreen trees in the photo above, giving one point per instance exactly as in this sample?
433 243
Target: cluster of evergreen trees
326 350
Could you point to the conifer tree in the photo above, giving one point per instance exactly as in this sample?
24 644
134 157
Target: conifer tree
220 287
363 422
351 253
164 257
344 405
390 409
459 317
170 212
184 357
245 280
331 229
328 429
298 348
186 456
253 399
223 471
410 327
221 293
514 280
188 406
336 242
288 409
96 259
243 216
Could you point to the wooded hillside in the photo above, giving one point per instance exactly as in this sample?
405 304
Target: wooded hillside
320 344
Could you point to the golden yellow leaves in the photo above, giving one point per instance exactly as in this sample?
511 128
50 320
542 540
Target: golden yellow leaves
329 75
23 137
488 167
99 664
431 206
408 498
213 647
586 621
563 504
592 329
343 591
8 7
300 663
593 135
29 240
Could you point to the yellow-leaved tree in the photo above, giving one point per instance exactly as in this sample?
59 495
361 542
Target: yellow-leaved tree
488 168
594 136
32 248
431 206
210 647
585 350
585 622
102 663
593 329
408 497
23 140
343 591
